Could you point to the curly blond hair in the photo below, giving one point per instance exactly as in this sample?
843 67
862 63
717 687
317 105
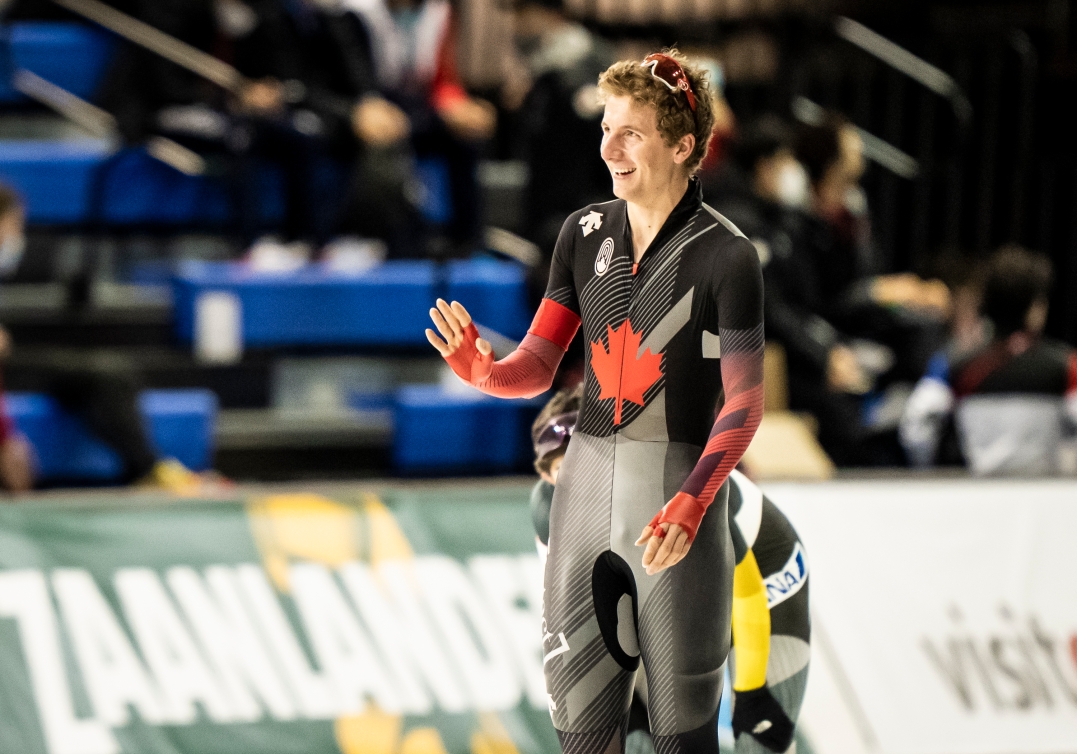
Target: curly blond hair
629 78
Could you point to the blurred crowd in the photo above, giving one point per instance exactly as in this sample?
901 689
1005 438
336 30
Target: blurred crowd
893 369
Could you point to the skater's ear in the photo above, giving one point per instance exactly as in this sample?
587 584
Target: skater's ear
683 149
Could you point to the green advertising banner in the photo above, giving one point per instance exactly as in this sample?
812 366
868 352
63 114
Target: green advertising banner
402 622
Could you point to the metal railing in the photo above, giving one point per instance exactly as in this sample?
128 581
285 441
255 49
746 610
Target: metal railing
973 152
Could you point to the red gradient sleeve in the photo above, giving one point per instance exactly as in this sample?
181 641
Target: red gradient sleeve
529 370
740 331
742 374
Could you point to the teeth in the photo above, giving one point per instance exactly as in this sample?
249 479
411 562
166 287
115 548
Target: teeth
625 172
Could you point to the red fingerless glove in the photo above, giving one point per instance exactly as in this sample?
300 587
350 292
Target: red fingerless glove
467 362
683 510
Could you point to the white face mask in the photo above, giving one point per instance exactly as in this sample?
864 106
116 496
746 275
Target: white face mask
235 19
793 185
11 249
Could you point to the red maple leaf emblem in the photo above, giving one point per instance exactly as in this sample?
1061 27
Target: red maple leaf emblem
621 374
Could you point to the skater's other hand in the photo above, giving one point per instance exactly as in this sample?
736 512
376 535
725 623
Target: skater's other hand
453 322
666 546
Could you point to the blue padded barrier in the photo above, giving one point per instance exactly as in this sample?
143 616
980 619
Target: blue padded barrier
384 306
58 179
494 293
181 425
55 178
72 56
438 431
139 189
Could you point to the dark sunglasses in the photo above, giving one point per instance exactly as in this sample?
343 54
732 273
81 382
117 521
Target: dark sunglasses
669 72
557 432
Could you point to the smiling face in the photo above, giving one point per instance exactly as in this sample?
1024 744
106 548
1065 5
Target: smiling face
642 164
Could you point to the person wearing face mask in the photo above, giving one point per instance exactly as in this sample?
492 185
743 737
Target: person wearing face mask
899 310
766 192
556 113
100 388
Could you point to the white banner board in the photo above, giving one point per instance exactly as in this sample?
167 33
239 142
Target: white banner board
945 614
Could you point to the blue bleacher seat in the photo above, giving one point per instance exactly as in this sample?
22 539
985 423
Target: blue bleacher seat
79 181
138 189
314 306
55 178
59 180
450 432
494 293
181 425
387 305
70 55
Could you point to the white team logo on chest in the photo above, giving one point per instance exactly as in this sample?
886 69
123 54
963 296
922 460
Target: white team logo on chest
605 256
591 222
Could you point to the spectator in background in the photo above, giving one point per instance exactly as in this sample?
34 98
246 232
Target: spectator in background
327 47
312 103
153 96
558 115
413 45
1014 399
713 168
927 432
901 311
102 390
765 192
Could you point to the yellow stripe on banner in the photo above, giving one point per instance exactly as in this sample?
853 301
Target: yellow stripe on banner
423 741
313 528
492 737
373 732
385 539
302 526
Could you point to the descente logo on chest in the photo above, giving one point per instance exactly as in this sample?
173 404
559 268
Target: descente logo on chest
605 256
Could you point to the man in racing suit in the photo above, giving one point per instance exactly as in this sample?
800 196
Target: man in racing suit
771 623
669 295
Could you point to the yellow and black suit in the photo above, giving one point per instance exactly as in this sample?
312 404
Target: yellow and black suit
771 625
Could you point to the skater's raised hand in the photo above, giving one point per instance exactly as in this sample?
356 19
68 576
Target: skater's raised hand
469 355
666 544
453 322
